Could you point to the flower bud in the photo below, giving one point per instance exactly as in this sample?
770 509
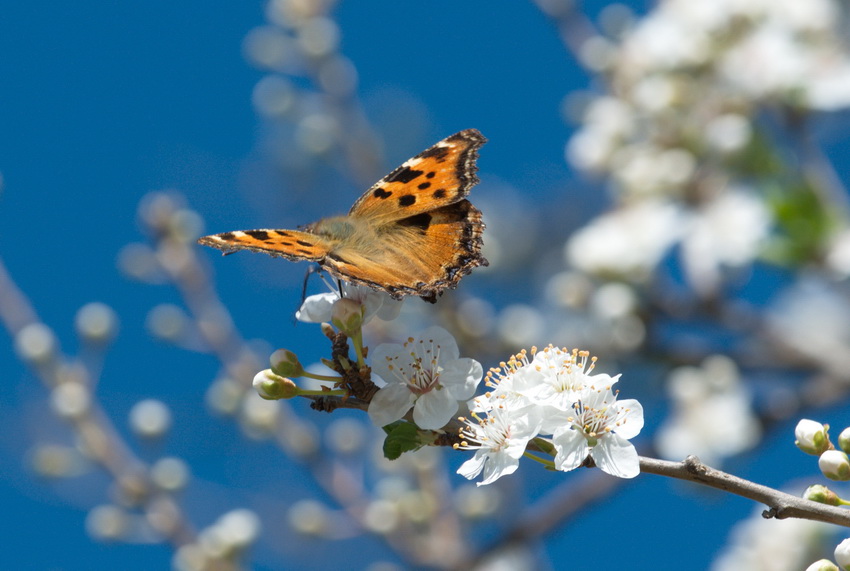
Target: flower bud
844 440
842 555
273 387
823 565
835 465
96 322
347 316
822 495
812 437
285 363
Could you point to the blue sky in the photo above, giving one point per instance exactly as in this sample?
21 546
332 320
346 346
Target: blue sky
102 102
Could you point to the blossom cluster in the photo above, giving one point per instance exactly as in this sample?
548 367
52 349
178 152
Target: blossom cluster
684 109
551 393
548 400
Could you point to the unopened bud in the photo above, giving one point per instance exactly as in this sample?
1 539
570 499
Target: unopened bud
273 387
286 364
844 440
835 465
822 495
812 437
823 565
842 554
347 316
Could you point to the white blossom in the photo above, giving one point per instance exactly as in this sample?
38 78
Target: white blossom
319 308
499 441
552 393
425 373
600 426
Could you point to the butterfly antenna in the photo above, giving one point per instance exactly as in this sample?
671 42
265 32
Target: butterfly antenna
311 270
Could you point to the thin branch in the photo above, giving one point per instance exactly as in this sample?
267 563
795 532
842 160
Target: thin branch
781 505
102 440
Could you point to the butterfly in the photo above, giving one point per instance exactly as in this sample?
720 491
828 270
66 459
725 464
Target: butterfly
412 233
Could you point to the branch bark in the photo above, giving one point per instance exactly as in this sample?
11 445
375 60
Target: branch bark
780 504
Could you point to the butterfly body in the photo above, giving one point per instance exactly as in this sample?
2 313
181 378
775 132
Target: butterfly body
412 233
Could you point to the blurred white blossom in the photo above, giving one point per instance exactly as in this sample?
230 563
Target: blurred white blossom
727 231
759 544
711 413
626 242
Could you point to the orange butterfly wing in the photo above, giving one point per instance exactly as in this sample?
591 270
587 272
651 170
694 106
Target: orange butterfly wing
421 255
411 233
438 176
290 244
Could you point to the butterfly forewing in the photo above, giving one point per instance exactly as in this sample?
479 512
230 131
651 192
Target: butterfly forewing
292 244
437 176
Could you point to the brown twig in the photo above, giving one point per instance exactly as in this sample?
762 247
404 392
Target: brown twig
780 504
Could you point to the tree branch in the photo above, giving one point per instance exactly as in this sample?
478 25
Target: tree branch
781 505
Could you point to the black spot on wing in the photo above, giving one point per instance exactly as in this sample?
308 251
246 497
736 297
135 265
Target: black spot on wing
261 235
437 153
305 243
403 175
406 200
381 193
424 185
419 221
431 174
227 236
439 193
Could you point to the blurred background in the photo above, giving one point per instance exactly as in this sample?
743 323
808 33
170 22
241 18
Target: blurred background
662 186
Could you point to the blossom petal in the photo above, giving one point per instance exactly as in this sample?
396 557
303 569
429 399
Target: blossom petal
472 467
630 423
382 364
442 338
572 449
317 308
390 308
461 377
602 380
434 409
498 465
616 456
390 403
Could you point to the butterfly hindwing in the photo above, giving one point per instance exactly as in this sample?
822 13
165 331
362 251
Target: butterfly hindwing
291 244
437 176
421 255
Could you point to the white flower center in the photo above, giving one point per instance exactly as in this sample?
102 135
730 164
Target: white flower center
493 433
423 376
595 423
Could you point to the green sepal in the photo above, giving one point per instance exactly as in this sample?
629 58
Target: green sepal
401 437
545 446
